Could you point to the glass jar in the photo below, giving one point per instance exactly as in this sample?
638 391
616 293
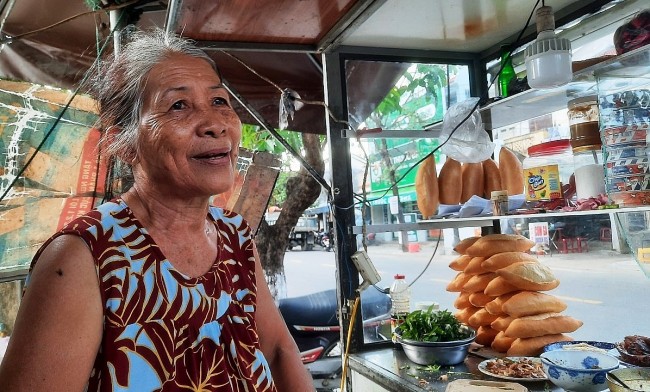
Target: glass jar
583 123
589 172
548 166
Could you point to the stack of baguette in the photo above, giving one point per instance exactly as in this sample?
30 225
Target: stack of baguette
501 294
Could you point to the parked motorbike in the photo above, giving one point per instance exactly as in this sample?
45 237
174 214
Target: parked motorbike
323 239
312 322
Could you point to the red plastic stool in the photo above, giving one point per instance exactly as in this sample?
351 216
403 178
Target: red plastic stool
605 234
568 245
581 244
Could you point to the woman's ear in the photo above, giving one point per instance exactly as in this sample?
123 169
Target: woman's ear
126 155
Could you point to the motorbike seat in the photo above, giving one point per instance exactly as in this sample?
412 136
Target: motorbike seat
315 310
319 309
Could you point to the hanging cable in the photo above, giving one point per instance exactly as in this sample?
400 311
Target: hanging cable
56 121
9 40
521 33
347 343
281 90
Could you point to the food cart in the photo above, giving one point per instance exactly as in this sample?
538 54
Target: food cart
343 58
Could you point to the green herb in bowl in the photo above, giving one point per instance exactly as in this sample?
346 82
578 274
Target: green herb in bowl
433 326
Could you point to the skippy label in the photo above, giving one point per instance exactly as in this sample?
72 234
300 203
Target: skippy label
543 183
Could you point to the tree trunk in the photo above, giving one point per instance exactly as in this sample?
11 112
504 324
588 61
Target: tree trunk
393 180
302 191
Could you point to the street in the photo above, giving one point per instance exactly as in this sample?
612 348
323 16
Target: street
604 289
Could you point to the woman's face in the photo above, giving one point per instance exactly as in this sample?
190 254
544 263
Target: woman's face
189 132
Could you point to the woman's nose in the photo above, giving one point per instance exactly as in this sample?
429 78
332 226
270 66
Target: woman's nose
213 131
212 123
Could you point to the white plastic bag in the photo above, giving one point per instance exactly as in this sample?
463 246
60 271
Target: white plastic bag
469 143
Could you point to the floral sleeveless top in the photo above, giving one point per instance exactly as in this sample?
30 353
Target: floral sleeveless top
164 331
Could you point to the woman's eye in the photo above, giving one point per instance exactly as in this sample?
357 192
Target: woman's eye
178 105
220 101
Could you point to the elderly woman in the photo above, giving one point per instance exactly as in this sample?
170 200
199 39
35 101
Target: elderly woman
156 290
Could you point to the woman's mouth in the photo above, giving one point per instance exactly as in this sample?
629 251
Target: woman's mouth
212 156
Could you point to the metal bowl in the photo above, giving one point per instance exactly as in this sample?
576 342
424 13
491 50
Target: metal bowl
438 353
636 378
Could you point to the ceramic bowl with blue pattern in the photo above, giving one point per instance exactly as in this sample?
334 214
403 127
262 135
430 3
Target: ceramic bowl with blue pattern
578 371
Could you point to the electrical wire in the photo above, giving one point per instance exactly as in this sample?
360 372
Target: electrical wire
521 33
57 120
347 343
426 267
10 39
365 201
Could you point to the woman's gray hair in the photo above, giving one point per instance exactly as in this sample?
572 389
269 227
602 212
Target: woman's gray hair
119 84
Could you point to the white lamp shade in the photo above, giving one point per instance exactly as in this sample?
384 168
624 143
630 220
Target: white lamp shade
549 69
548 61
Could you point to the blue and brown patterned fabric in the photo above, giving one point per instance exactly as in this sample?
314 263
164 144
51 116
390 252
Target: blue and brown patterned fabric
164 331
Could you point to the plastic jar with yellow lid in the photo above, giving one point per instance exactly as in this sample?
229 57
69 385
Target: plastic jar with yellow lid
548 166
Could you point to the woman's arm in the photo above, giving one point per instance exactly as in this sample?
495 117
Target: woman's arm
59 325
279 348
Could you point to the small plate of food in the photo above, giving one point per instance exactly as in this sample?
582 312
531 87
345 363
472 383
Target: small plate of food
514 368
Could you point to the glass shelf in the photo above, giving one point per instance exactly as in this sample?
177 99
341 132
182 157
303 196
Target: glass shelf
488 220
627 71
635 229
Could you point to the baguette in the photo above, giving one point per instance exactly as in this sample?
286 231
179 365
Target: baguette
480 299
462 301
426 187
504 259
529 276
501 323
478 282
532 347
448 182
458 282
512 172
472 179
541 324
527 303
491 178
501 342
496 305
460 263
499 286
461 247
480 317
475 266
485 335
491 244
464 314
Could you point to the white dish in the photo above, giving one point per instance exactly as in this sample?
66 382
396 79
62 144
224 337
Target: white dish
482 367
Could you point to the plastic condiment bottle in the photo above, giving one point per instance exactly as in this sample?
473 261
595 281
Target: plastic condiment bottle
589 172
400 295
499 201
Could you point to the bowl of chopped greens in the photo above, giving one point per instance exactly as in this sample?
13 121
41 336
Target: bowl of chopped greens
431 337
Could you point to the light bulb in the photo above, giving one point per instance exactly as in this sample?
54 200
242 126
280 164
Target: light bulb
548 58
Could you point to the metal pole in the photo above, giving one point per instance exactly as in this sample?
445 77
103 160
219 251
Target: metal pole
114 18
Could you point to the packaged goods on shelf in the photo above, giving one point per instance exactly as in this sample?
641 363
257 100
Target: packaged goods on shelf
625 132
